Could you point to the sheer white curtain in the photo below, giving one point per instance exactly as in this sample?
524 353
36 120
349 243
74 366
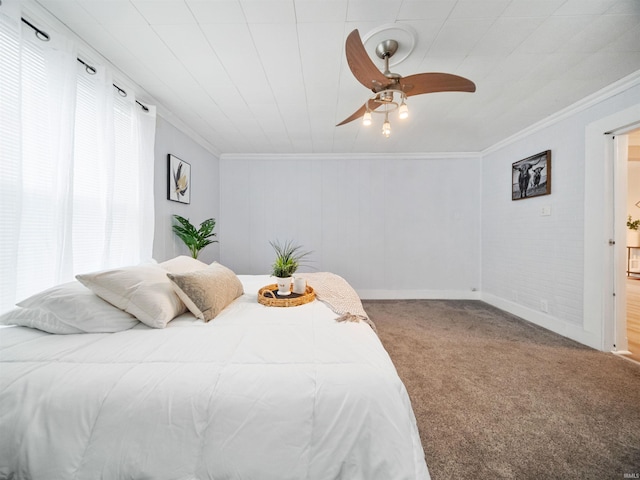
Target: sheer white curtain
10 145
77 165
113 175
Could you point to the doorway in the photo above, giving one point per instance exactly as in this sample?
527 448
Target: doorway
632 270
603 236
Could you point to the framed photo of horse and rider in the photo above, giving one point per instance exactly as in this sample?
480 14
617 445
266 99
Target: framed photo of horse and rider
531 177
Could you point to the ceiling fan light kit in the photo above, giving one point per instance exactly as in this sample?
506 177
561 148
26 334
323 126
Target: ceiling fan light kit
386 127
386 100
403 111
366 119
390 90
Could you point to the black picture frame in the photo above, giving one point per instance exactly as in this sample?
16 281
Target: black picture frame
531 176
178 180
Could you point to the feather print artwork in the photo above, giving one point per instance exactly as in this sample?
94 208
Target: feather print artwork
180 182
178 179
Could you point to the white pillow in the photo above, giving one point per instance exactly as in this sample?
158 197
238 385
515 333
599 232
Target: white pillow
207 292
142 290
68 308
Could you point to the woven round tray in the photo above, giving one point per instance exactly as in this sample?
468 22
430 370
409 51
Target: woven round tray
268 296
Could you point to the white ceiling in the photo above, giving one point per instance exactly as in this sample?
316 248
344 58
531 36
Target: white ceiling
271 76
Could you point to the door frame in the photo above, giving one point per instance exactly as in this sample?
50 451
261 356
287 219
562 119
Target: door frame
599 311
620 143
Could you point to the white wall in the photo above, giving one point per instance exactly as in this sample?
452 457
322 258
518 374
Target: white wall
204 193
393 227
529 259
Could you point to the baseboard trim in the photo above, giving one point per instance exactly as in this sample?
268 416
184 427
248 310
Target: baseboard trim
366 294
628 359
556 325
621 352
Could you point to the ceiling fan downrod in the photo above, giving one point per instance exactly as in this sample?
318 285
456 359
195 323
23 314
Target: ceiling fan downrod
385 50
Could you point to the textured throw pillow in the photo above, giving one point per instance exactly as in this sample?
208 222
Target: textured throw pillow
207 292
66 309
144 291
183 264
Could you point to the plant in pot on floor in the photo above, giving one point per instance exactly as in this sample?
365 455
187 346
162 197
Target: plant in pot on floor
195 238
288 258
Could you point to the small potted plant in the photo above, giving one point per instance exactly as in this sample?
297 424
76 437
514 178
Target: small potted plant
633 239
288 258
195 238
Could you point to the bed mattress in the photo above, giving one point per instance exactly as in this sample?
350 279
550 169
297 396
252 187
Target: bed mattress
257 393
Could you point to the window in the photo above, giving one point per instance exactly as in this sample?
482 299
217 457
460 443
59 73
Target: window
77 161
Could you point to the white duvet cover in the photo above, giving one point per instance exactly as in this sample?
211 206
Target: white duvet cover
257 393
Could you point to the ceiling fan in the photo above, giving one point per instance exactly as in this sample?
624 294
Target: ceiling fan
390 88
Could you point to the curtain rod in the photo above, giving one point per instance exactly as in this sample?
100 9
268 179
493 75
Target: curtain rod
44 36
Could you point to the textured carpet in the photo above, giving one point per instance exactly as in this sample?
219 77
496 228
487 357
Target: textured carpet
497 397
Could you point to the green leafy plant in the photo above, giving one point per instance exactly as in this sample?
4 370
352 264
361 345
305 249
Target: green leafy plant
288 257
195 239
633 224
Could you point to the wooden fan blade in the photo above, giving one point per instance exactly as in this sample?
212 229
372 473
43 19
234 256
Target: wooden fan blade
435 82
361 65
360 112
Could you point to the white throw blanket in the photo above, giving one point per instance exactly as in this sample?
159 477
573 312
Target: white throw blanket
338 295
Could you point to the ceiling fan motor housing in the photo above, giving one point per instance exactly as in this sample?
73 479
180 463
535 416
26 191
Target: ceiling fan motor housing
386 49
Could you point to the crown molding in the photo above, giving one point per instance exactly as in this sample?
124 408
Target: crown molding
351 156
625 83
188 131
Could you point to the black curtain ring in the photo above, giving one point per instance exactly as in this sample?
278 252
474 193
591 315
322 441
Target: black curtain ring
40 35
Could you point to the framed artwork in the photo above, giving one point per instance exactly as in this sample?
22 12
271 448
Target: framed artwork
531 176
178 180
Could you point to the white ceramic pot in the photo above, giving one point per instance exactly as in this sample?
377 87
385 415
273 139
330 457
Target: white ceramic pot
633 238
284 285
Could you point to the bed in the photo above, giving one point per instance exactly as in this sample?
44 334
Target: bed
256 393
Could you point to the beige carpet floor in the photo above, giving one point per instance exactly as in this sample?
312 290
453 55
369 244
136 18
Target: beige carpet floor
497 397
